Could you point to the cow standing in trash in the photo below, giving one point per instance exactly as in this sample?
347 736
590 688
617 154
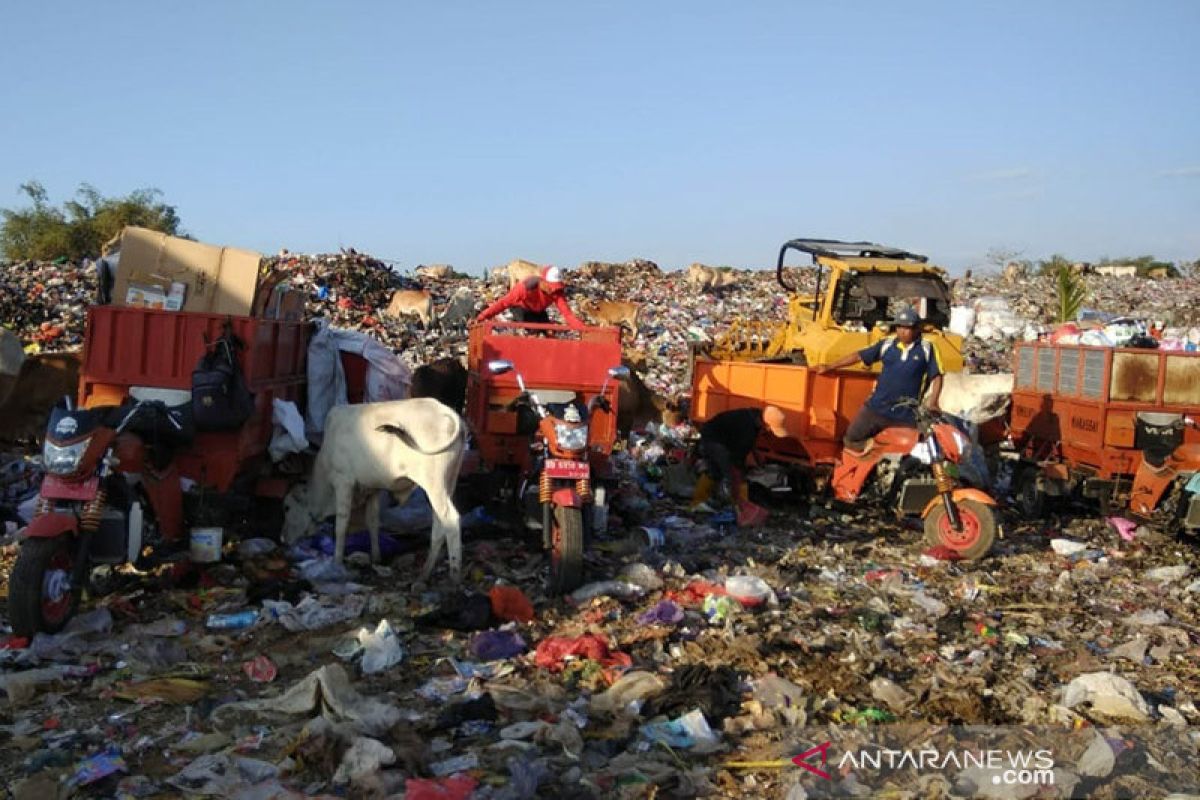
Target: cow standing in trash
393 446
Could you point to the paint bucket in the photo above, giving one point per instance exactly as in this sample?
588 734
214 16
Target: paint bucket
206 545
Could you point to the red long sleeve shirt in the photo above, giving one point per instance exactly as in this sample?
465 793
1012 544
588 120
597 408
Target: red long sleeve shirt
528 294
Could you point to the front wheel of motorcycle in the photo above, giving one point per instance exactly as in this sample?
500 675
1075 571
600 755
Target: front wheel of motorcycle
40 595
977 534
566 550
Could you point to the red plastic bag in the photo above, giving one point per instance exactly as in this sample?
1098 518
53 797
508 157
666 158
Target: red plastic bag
510 604
552 650
458 787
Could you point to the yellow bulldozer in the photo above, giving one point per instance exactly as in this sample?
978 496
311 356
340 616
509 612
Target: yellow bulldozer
859 286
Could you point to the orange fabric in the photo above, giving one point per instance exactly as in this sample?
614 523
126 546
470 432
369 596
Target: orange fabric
552 650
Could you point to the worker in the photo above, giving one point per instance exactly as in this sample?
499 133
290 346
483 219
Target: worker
911 366
530 298
726 441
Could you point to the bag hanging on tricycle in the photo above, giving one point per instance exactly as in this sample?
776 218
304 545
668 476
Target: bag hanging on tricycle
221 400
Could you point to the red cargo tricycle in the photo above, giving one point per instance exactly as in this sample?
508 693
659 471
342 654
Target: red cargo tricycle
117 459
542 407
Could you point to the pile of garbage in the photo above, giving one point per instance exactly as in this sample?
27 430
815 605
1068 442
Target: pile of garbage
46 304
700 660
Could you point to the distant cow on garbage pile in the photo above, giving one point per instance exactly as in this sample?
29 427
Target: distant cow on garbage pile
613 312
412 301
600 270
1015 271
519 270
445 380
707 279
435 271
394 447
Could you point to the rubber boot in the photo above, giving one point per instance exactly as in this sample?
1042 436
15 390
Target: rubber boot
703 491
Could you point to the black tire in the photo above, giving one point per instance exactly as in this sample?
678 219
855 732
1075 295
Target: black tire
1031 501
566 550
979 525
28 611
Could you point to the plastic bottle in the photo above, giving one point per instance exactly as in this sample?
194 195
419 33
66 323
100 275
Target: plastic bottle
619 589
242 619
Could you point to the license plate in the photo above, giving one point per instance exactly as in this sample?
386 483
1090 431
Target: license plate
55 488
564 468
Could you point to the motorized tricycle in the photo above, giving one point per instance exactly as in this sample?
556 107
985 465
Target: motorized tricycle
110 490
556 492
917 471
1113 427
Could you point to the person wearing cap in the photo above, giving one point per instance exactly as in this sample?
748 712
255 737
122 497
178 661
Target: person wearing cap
911 368
726 441
530 298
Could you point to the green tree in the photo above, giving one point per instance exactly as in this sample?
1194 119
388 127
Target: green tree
82 225
1071 293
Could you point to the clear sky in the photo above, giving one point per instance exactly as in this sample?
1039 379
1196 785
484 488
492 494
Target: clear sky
477 132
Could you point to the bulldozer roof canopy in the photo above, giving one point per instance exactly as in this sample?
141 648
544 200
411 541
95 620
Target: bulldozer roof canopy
833 248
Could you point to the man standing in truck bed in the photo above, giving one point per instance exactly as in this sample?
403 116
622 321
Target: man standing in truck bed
910 367
531 298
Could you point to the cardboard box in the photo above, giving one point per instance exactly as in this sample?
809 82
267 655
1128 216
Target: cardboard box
211 279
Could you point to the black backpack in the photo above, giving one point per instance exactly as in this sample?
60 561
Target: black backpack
220 399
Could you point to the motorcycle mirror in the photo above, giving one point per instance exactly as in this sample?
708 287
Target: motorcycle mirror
499 366
620 373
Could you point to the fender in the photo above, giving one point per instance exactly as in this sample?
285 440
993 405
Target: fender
567 498
978 495
49 526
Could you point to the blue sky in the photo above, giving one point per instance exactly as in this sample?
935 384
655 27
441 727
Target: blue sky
478 132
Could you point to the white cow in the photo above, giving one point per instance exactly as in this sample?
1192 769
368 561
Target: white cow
392 446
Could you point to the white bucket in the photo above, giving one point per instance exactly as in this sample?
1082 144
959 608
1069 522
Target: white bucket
206 545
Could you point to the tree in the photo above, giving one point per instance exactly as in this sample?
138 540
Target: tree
1000 256
1071 293
79 228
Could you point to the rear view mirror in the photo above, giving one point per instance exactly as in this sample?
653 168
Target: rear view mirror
499 367
620 373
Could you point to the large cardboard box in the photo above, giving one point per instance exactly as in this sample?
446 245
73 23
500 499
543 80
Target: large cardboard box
156 269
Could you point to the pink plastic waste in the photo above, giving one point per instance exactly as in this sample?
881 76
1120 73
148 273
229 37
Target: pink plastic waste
460 787
1125 527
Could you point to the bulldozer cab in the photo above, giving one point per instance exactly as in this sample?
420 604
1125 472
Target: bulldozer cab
858 288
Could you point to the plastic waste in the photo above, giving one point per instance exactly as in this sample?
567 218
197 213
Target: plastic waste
619 589
641 575
238 621
665 612
749 590
450 766
510 604
891 695
381 648
458 787
98 767
248 548
689 732
365 756
776 692
497 645
931 605
1066 547
1167 574
630 689
718 608
1108 694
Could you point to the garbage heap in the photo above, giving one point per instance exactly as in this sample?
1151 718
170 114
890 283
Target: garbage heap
46 304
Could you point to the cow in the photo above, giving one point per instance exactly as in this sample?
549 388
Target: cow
707 278
393 446
520 269
445 380
613 312
42 380
412 301
460 309
601 270
435 271
638 404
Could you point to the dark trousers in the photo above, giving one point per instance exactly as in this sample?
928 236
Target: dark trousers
866 424
525 315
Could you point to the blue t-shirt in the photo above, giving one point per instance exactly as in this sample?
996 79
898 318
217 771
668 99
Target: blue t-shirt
907 370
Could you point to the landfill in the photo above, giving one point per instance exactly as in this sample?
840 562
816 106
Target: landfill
700 658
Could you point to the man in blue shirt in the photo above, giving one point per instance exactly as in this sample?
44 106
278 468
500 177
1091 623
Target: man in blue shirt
910 367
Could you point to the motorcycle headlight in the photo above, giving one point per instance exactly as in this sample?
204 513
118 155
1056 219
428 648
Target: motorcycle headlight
571 437
63 460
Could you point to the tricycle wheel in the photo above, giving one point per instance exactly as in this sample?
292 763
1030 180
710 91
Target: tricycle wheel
1031 500
977 534
40 596
566 550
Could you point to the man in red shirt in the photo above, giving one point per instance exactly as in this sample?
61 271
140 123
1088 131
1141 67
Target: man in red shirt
530 298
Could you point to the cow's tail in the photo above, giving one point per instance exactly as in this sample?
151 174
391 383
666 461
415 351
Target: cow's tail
403 435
